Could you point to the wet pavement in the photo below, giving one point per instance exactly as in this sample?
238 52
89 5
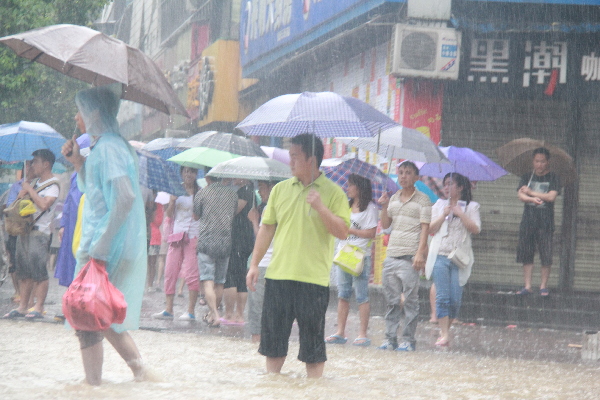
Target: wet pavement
481 341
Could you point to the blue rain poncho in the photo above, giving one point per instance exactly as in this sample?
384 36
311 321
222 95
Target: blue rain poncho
114 223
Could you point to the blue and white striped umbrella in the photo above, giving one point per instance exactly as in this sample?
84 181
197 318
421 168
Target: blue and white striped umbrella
165 148
326 114
18 140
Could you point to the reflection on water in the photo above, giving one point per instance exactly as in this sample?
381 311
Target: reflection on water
40 360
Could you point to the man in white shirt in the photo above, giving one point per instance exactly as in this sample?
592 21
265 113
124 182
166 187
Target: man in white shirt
32 247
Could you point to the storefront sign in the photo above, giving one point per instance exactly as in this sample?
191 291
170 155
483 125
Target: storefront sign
213 84
266 25
529 65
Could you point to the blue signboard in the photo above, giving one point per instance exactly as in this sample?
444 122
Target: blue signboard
266 25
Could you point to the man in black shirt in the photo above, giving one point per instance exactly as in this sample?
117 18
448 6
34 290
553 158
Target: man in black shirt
538 191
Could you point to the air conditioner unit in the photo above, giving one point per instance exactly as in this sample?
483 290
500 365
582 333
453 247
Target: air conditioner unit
427 52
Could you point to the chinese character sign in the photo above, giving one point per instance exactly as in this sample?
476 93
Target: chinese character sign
590 67
546 60
489 61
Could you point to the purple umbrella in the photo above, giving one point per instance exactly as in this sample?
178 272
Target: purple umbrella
380 182
467 162
277 154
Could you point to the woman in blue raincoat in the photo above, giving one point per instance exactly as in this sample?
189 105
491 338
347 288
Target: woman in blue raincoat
114 227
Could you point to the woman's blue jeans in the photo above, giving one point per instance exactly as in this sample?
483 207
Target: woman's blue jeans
448 290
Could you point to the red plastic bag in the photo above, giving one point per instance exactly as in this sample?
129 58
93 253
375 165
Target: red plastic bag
92 303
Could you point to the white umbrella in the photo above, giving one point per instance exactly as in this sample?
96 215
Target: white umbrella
252 168
401 142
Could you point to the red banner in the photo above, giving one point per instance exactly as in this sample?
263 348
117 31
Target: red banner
423 102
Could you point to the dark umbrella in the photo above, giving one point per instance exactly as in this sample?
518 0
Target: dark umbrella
228 142
93 57
516 157
340 173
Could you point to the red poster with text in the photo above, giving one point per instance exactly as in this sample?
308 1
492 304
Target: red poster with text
423 102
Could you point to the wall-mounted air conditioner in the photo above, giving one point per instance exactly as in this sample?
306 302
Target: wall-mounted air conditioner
427 52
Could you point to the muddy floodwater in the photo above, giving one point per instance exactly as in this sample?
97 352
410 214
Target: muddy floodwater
42 361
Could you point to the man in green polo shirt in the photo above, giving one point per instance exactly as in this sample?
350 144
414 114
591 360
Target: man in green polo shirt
303 216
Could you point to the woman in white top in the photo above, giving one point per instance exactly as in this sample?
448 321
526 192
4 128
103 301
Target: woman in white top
363 226
453 221
181 255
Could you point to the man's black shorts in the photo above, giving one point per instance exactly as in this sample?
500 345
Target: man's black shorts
531 237
288 300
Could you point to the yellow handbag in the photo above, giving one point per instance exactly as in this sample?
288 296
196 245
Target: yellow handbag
350 259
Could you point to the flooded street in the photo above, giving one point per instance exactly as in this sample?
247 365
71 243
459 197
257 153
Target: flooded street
41 360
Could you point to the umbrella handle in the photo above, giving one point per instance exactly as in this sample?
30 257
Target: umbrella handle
69 154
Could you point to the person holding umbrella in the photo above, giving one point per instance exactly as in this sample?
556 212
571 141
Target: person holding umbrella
304 215
113 229
538 190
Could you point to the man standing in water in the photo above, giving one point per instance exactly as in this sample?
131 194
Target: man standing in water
408 212
538 191
303 215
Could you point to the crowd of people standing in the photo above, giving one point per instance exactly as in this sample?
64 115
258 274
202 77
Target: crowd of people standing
223 241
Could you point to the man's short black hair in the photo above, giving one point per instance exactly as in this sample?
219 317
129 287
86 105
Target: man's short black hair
45 155
542 150
311 145
409 164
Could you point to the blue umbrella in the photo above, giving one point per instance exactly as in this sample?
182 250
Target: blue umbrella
157 174
326 114
166 148
18 140
465 161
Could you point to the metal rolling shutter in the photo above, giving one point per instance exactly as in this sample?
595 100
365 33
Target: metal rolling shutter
484 124
587 253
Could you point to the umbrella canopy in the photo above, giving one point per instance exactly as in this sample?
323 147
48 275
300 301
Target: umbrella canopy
277 154
517 155
200 157
156 174
164 147
465 161
380 182
252 168
228 142
93 57
20 139
401 142
326 114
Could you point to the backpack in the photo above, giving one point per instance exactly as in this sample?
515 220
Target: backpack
14 223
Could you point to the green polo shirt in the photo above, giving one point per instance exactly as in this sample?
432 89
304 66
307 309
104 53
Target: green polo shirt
302 246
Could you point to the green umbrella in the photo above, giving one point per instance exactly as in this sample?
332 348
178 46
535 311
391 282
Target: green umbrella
199 157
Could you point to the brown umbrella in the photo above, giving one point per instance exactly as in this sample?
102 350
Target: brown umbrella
516 157
93 57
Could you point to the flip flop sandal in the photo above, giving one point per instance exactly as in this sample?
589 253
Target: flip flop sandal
206 317
336 339
33 315
544 292
13 314
524 292
214 324
362 342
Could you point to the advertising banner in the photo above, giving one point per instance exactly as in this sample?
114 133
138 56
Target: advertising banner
269 24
